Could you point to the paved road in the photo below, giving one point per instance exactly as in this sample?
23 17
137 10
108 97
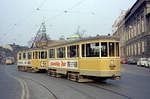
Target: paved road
10 88
134 84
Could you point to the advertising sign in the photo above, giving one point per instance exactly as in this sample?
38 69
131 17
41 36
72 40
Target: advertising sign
64 63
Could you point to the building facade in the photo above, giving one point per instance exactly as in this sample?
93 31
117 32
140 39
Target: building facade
134 31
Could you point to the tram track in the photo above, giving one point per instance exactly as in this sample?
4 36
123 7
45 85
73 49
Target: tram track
78 90
110 90
44 86
84 93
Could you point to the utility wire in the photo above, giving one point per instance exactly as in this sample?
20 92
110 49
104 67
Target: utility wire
20 21
66 11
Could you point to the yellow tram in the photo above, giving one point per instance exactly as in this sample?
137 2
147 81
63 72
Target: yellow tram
83 59
79 60
9 60
32 60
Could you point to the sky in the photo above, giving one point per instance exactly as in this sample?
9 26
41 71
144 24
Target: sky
21 19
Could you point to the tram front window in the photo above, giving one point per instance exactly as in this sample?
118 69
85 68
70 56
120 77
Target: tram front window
111 49
29 55
104 49
24 55
19 56
117 49
83 50
43 55
92 50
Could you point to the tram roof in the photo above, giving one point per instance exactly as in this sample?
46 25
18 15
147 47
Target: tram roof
85 39
75 41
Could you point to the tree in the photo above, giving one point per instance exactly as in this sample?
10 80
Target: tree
62 37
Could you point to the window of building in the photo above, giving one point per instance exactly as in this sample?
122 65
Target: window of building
111 49
142 22
73 51
135 49
142 46
61 52
83 50
139 48
117 49
139 27
92 50
19 56
127 51
52 53
24 55
104 52
134 27
29 55
132 50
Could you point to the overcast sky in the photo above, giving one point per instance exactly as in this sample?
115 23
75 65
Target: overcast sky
21 19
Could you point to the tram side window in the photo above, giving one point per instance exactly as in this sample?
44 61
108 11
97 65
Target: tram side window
24 55
83 50
43 55
104 49
29 55
111 49
51 53
19 56
117 49
73 51
61 52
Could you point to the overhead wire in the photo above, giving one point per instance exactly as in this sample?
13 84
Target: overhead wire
67 10
4 35
37 9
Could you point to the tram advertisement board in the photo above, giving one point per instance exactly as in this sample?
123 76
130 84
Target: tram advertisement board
26 63
64 63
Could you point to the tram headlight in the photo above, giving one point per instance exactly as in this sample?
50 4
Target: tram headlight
112 65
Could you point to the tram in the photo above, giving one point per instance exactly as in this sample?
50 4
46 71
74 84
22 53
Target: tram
9 60
79 60
32 60
83 59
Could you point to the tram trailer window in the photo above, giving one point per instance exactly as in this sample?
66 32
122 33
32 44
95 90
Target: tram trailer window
61 52
52 53
73 51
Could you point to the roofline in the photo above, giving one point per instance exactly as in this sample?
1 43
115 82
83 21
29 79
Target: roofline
75 41
85 39
132 10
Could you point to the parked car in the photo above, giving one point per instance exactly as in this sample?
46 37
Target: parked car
124 61
142 62
147 63
132 61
